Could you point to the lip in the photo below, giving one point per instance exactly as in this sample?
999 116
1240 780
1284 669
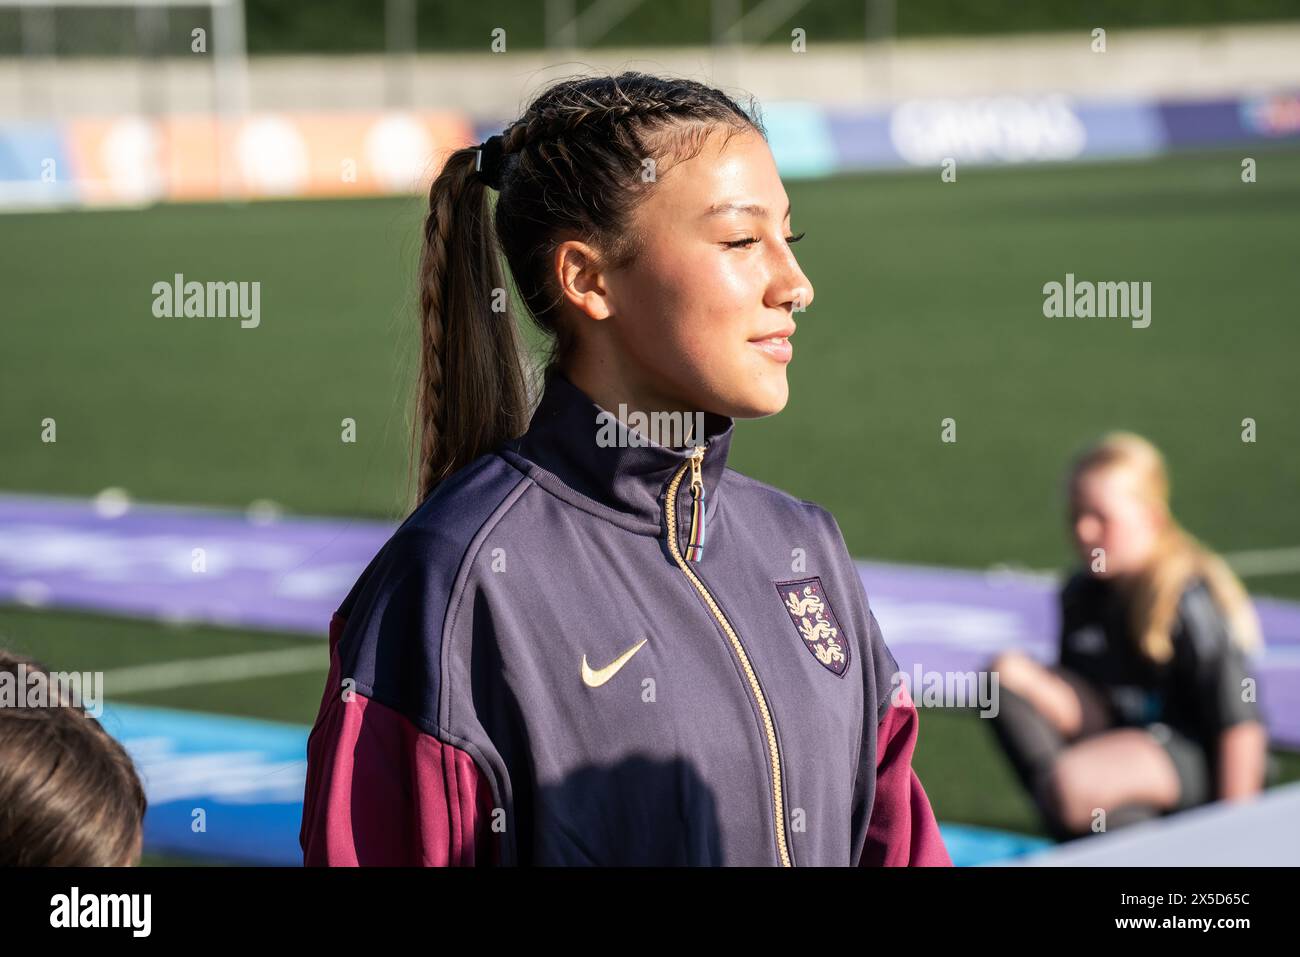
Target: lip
779 350
784 332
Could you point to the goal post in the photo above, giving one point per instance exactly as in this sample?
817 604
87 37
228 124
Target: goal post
141 61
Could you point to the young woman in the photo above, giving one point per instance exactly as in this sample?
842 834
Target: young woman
1152 708
586 645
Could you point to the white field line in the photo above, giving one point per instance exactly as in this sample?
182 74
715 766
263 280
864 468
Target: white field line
1266 561
1251 564
202 671
284 661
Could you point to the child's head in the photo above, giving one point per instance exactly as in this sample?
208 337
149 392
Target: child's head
69 793
647 232
1119 503
1123 529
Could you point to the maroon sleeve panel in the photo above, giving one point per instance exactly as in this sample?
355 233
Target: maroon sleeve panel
902 831
380 791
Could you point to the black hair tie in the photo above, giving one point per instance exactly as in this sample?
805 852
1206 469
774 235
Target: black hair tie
488 162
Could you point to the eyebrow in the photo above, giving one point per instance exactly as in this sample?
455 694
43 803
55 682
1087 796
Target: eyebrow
718 208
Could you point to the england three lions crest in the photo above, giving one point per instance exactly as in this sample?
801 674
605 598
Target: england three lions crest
814 621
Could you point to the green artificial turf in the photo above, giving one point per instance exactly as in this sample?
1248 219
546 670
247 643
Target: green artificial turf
928 306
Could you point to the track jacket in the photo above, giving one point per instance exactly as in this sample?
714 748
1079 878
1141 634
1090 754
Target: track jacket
582 653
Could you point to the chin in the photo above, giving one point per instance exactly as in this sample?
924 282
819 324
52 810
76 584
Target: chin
764 399
742 392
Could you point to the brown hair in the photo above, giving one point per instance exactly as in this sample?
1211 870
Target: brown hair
573 167
1179 558
69 794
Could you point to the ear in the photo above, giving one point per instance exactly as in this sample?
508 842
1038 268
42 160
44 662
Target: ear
582 279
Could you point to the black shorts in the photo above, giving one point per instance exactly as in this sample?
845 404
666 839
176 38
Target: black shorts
1195 775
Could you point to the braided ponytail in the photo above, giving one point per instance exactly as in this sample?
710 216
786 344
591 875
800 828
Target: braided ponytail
574 166
470 392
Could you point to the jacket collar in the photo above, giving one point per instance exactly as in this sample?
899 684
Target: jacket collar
569 438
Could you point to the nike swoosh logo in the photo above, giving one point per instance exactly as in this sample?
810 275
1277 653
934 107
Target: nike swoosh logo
594 679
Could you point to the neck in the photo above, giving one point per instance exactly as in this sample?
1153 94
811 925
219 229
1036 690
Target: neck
637 403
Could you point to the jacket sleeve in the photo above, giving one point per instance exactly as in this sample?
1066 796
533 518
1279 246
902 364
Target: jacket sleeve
381 791
902 831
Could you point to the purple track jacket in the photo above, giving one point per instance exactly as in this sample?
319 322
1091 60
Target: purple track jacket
593 653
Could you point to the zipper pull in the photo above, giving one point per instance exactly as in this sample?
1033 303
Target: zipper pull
695 546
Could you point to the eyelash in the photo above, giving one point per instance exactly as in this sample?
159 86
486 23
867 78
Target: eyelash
738 243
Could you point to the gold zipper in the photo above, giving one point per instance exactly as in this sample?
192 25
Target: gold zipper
671 504
697 480
695 543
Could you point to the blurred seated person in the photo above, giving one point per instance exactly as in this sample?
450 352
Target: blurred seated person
1152 708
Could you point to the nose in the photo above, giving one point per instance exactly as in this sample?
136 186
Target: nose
801 294
1087 529
791 288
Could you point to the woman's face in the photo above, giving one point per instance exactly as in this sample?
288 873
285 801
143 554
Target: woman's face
703 317
1109 513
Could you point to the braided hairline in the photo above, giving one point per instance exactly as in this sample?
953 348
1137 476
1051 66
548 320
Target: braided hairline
552 121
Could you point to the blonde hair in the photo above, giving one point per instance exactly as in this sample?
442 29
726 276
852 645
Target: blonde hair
1179 559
